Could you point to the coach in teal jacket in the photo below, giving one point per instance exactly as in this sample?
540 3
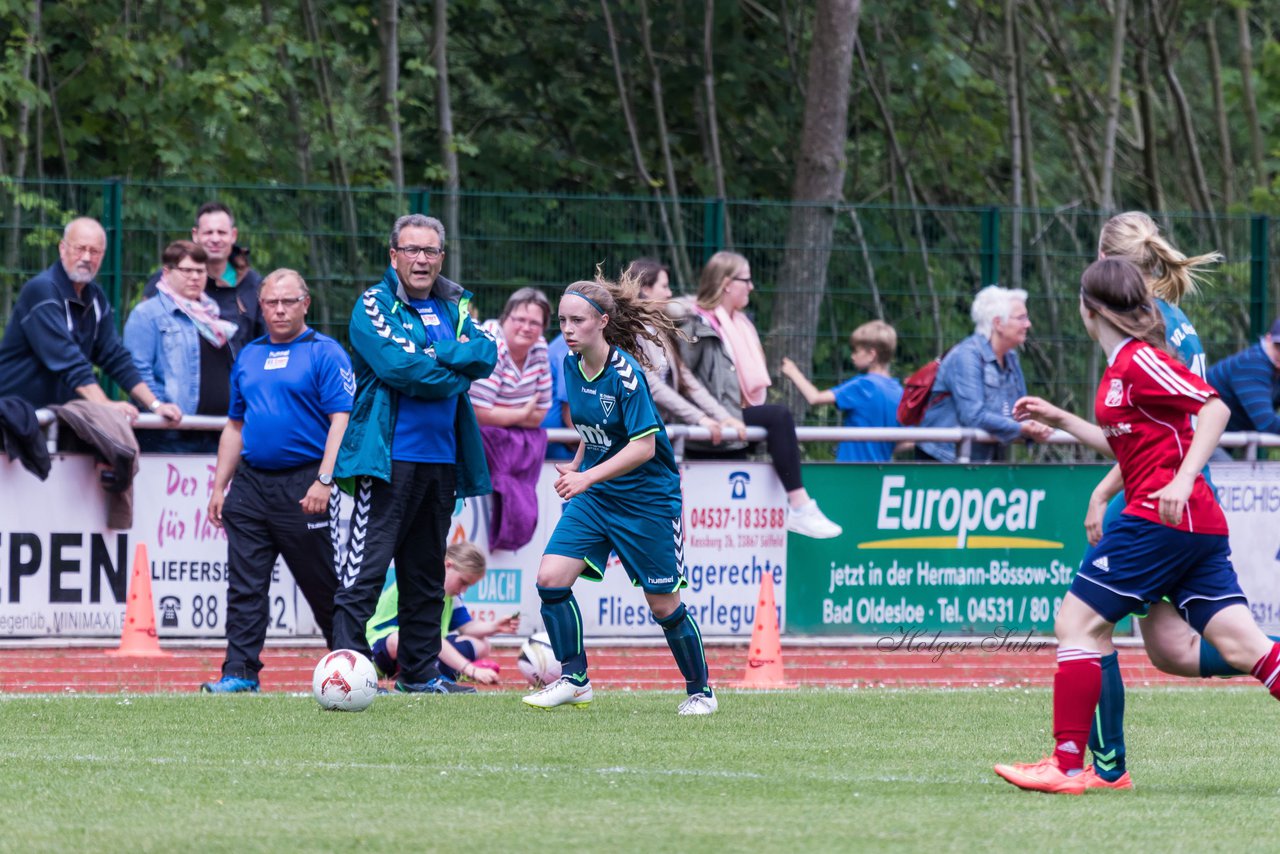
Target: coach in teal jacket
388 342
412 446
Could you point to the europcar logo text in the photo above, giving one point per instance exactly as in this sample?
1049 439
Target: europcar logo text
952 515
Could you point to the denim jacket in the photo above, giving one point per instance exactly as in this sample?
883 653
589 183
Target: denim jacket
166 350
982 396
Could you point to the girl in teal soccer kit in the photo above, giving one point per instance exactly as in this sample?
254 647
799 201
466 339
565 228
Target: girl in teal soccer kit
622 489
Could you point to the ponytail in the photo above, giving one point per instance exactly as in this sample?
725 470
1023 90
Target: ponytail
1170 274
630 317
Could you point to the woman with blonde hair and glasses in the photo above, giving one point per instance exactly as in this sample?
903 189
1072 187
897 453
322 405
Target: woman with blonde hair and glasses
724 351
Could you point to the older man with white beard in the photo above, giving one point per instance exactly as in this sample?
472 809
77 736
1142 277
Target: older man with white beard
62 327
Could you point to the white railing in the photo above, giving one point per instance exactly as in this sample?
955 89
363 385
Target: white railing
962 437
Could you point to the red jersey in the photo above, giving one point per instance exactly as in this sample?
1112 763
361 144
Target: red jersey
1145 403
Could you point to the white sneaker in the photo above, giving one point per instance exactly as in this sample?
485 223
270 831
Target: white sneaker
809 521
699 704
561 692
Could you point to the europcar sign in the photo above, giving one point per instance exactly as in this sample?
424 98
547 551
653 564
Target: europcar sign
953 548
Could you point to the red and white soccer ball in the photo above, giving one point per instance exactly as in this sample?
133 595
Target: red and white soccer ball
345 681
537 662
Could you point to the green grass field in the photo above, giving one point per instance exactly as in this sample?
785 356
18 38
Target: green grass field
797 771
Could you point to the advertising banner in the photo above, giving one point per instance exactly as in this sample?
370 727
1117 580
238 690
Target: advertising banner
956 549
1250 495
63 573
734 534
931 547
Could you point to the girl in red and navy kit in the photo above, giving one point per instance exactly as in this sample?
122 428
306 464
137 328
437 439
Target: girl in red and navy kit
1171 541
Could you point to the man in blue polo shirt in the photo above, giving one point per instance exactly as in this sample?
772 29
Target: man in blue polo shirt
291 396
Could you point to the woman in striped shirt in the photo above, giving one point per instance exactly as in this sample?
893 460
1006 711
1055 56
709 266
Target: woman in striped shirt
510 405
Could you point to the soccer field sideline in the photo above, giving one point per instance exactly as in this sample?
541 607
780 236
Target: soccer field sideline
958 663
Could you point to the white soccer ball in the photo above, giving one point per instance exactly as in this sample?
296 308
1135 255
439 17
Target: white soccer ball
537 662
345 681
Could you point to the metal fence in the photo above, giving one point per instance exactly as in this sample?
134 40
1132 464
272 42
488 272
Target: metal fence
916 267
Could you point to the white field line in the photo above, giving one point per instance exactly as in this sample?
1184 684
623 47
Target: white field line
485 770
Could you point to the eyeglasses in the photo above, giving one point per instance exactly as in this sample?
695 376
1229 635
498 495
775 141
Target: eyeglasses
287 302
411 252
531 322
191 271
746 279
91 251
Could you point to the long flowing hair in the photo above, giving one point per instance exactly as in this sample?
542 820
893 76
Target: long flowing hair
645 272
630 317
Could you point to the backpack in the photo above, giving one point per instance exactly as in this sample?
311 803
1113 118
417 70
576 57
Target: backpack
917 393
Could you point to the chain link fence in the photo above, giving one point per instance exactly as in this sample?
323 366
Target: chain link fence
915 267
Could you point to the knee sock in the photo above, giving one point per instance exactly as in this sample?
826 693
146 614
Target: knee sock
686 646
1106 740
1076 687
1267 670
1213 664
563 620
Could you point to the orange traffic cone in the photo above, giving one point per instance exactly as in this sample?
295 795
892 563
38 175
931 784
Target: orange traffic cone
138 639
764 656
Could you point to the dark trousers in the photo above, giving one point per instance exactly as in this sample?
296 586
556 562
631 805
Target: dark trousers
263 521
406 520
782 444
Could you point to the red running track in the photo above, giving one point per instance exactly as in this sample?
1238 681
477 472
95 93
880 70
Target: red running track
93 671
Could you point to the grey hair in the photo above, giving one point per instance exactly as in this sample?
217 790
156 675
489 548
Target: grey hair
66 231
994 302
416 221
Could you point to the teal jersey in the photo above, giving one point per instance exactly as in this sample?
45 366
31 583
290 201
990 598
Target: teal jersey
611 410
1182 337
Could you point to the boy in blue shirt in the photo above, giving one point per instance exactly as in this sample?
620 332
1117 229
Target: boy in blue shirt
869 399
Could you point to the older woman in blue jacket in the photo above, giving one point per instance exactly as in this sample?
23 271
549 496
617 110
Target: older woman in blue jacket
981 378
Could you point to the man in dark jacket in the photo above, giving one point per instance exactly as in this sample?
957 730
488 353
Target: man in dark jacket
62 327
1249 383
236 295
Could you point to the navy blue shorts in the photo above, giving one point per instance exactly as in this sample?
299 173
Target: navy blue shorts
1138 562
382 659
651 548
388 666
463 646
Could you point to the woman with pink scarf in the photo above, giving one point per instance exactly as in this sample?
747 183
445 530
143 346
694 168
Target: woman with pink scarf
182 348
726 356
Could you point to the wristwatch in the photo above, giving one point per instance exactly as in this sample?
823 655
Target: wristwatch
154 405
325 479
